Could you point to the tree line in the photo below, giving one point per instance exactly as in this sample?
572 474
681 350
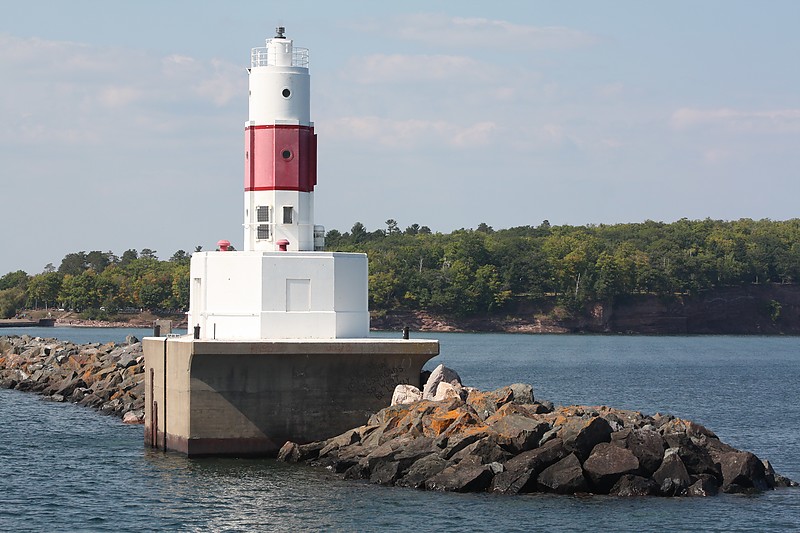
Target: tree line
469 272
465 272
101 284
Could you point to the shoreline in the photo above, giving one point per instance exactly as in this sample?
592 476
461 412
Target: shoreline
752 310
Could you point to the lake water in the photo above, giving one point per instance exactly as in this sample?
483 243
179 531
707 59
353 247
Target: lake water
70 468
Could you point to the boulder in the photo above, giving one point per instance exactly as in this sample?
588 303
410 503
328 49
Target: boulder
671 477
345 439
646 444
422 470
520 472
385 473
698 460
485 450
126 360
133 417
466 476
517 433
704 485
446 391
418 448
405 394
581 435
742 471
292 452
457 421
607 463
68 386
455 443
632 485
564 477
440 374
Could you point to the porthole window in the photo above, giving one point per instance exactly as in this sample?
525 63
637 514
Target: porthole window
286 93
286 155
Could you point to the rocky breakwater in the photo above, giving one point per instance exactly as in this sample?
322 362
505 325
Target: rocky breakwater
454 438
108 377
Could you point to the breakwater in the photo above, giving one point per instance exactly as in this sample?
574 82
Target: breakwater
513 436
108 377
448 437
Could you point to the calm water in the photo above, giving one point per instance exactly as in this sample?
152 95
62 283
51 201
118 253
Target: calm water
70 468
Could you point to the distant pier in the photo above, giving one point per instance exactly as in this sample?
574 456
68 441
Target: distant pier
25 323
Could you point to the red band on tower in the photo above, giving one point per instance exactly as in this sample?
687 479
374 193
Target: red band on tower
280 157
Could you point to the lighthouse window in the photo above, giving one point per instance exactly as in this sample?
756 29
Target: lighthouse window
286 93
262 232
286 154
287 214
262 213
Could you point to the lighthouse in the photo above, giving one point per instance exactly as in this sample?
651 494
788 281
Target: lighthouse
280 151
278 346
283 285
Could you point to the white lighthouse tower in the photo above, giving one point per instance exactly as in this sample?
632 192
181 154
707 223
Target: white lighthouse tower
282 285
280 151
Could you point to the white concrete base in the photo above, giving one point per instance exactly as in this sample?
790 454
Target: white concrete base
279 295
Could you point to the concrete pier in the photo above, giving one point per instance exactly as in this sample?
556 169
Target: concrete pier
217 397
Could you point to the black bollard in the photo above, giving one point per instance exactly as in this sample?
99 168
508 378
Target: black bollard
157 330
197 331
405 333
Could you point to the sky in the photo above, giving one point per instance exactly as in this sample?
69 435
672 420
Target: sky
122 123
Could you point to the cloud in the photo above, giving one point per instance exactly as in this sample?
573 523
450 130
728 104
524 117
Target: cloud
118 96
774 121
72 93
381 68
409 133
458 32
222 84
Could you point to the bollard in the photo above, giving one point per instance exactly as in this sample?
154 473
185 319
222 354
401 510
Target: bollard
197 331
157 330
405 333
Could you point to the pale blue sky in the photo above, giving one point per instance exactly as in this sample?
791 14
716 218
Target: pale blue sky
121 123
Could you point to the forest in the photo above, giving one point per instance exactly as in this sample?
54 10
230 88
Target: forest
468 272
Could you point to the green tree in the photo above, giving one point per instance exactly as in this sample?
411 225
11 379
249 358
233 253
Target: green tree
180 257
80 292
11 300
97 260
180 288
358 233
413 229
128 256
44 288
17 279
155 290
74 263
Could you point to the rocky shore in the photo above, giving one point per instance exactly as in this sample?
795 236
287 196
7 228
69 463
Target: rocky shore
768 309
454 438
108 377
444 437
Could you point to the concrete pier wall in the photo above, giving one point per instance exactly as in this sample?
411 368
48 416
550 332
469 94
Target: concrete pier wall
206 397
